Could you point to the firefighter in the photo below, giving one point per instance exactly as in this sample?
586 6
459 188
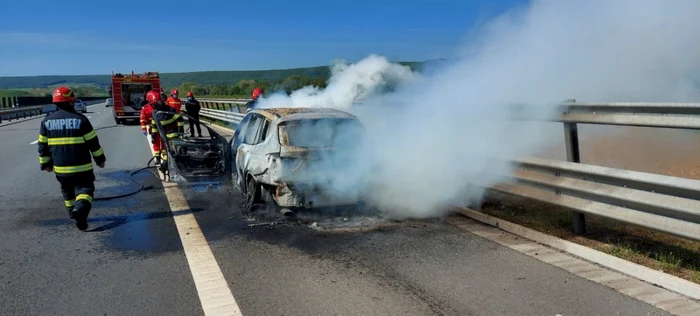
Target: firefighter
171 122
148 126
146 117
257 93
192 107
175 102
67 145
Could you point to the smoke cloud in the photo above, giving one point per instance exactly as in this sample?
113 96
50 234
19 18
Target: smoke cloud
428 137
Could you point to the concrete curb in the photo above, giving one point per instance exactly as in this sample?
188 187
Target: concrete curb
658 278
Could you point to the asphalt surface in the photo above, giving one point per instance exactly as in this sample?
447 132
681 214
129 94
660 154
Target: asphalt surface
131 261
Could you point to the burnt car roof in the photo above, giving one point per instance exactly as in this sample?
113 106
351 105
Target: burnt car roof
297 113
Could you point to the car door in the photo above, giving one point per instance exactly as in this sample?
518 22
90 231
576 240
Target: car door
246 157
236 141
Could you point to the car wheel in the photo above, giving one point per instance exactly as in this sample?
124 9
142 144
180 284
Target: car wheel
251 194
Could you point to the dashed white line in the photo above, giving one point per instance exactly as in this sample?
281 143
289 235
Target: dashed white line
89 116
213 290
34 142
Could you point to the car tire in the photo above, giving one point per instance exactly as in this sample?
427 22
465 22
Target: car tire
251 195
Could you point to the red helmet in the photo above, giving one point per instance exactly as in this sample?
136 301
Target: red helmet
63 94
257 92
173 92
190 94
153 97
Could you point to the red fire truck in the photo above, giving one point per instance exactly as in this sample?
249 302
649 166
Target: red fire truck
129 93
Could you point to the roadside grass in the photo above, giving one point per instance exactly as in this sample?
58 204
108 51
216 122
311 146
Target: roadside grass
659 251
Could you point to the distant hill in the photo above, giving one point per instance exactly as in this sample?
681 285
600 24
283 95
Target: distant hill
176 79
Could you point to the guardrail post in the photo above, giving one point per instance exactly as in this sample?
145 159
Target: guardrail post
238 106
573 155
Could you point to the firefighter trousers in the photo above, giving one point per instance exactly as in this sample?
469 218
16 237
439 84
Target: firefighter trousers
195 116
78 190
159 149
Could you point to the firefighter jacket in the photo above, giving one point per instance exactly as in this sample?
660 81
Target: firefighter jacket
146 120
192 107
68 143
176 104
172 122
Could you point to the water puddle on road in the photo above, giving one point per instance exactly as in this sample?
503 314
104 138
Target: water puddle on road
137 232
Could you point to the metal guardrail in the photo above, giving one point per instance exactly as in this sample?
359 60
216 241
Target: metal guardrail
663 203
225 116
18 113
28 111
230 110
658 202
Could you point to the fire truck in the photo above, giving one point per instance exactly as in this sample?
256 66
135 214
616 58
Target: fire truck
129 93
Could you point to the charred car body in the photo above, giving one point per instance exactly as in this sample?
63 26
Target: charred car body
195 159
297 157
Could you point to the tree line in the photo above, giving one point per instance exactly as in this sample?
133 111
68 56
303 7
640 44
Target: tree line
244 88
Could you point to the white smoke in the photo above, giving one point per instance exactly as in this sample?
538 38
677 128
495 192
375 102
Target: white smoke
348 84
437 134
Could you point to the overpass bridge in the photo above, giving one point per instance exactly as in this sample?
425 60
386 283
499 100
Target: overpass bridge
188 250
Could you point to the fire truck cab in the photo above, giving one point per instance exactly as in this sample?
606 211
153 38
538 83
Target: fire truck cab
129 94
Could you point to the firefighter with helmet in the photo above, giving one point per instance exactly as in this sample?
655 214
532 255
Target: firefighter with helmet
147 127
192 106
257 93
171 122
67 145
174 102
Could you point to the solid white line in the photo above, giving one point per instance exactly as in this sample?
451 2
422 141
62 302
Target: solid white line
213 290
214 293
34 142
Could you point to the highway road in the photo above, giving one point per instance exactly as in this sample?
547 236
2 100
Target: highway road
138 259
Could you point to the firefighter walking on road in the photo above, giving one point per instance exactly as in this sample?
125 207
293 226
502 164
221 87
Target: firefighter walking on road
192 107
67 145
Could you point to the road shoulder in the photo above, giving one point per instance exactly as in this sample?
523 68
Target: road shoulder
515 237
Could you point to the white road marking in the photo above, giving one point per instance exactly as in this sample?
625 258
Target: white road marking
34 142
89 116
213 290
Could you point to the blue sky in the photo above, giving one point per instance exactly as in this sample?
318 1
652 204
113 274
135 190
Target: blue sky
41 37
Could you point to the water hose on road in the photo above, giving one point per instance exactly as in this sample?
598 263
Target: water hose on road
131 176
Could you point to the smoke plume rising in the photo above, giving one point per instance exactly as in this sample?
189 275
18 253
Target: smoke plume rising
433 135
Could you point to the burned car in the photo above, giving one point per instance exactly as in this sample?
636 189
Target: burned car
297 157
194 159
